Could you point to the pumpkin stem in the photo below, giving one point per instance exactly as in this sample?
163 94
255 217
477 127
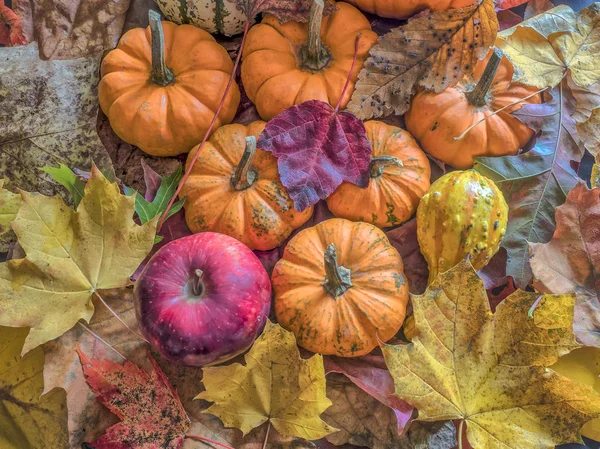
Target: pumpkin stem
197 284
315 56
337 279
378 163
244 176
477 96
161 74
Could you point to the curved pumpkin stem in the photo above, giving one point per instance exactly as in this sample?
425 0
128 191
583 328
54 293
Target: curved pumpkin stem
477 96
379 163
315 55
244 176
161 74
338 280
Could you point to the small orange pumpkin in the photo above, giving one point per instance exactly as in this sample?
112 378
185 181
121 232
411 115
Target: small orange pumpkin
340 288
235 189
402 9
399 173
161 87
287 64
435 119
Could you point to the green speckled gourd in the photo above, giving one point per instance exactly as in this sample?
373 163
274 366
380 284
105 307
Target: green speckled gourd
462 213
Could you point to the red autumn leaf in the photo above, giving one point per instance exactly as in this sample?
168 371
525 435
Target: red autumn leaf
11 30
150 411
284 10
317 149
507 4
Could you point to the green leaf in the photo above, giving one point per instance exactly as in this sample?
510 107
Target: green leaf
65 176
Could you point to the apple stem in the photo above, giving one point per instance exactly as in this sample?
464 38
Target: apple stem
339 103
140 336
98 337
198 286
207 440
267 435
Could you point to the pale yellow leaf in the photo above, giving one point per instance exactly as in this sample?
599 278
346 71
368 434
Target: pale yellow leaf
490 369
275 385
561 17
69 255
9 205
589 131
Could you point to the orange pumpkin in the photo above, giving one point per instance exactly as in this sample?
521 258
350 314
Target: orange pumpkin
161 87
340 288
399 173
402 9
287 64
235 189
435 119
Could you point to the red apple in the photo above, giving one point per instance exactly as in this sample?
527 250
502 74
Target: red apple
202 299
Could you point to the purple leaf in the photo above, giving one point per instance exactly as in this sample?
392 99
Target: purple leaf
152 181
317 149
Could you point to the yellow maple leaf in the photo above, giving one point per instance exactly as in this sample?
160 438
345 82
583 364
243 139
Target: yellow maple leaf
489 370
69 255
9 205
28 420
543 51
275 385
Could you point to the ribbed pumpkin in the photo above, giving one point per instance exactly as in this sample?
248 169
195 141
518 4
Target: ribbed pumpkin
462 213
161 87
287 64
399 173
214 16
340 288
235 189
402 9
435 119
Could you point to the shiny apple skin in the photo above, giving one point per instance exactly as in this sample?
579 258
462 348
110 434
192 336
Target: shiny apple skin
220 324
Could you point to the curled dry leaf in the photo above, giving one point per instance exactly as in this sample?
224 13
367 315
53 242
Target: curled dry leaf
570 262
9 206
536 7
434 51
28 419
275 385
150 412
284 10
466 363
317 148
70 255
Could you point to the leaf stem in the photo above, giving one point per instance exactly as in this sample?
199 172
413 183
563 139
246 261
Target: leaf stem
315 56
210 128
477 96
534 306
207 441
460 433
244 176
161 74
496 112
337 106
267 435
116 315
98 337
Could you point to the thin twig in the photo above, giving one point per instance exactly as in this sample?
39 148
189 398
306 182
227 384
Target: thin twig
460 433
208 131
207 441
98 337
496 112
337 106
116 315
267 435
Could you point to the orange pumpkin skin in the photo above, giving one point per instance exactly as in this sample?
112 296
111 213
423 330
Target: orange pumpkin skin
272 71
394 191
261 216
435 119
372 309
166 120
402 9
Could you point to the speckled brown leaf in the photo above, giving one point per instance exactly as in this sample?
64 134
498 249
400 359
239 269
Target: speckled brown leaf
570 262
434 51
70 29
47 117
490 370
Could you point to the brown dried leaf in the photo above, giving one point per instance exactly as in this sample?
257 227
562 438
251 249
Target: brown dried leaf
434 51
284 10
73 28
47 117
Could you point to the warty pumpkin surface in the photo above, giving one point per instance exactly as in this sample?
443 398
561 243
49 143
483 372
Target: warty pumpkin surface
463 213
402 9
279 69
435 119
399 177
161 88
234 189
340 288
